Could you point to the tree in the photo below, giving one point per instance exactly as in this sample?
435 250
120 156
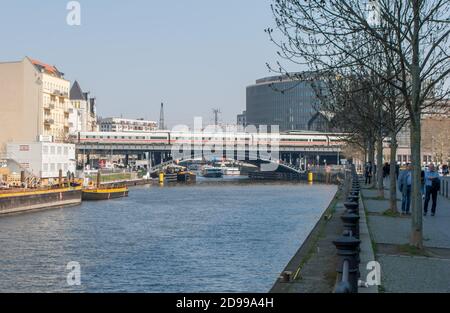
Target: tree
329 34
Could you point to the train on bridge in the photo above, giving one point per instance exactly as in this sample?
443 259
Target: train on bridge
287 139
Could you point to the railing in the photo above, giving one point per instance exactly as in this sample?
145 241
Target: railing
445 187
348 244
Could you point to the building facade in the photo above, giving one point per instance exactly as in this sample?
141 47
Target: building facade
82 111
114 124
43 160
435 136
242 119
34 102
291 103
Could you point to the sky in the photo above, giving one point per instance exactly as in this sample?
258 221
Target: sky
193 55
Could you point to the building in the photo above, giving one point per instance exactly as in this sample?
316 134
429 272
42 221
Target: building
287 101
34 102
114 124
82 111
242 119
43 160
435 134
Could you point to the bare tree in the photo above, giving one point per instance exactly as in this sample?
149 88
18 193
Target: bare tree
328 34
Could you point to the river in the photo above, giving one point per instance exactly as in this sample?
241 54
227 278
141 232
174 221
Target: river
214 236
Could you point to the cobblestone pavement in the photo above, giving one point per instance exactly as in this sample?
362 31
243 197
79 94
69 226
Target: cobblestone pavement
410 273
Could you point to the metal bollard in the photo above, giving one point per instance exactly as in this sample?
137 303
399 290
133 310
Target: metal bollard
352 207
348 252
351 223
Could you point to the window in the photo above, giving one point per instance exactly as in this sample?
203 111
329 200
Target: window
52 150
59 150
66 150
45 151
45 167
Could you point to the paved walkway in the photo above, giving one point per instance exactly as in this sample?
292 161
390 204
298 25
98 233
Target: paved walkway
405 270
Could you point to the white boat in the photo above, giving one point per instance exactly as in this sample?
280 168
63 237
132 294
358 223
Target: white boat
212 172
231 171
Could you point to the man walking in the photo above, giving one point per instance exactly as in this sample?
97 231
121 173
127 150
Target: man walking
404 185
368 172
432 187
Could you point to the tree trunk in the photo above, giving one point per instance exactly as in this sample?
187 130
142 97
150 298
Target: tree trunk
393 175
415 117
416 197
379 174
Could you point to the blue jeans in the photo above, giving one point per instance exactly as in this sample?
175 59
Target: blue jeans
406 200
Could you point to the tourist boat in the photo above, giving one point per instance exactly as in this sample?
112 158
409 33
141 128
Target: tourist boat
105 193
231 171
212 172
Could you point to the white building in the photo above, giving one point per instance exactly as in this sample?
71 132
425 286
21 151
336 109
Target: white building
114 124
43 159
82 111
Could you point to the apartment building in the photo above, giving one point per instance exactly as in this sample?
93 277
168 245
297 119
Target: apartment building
82 111
34 102
114 124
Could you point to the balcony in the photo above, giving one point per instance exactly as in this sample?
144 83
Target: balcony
49 106
49 121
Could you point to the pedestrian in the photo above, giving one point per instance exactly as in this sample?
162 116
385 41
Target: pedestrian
445 170
404 185
397 170
368 172
432 187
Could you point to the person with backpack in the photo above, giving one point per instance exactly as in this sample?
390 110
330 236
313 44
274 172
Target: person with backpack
432 187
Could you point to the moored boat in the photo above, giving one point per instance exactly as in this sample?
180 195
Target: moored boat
104 193
212 172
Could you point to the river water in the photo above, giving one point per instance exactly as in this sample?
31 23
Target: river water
215 236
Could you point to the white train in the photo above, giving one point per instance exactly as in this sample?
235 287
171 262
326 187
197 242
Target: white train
175 137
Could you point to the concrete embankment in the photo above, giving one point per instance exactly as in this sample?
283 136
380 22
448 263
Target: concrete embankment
26 200
313 267
128 183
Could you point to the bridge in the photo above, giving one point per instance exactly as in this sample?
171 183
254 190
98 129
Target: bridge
294 150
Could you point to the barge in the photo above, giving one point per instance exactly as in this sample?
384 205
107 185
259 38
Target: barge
24 200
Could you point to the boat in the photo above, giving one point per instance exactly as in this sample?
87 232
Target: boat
186 176
104 193
231 171
212 172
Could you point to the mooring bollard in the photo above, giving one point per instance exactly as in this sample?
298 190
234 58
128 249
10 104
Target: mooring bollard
348 266
286 276
352 207
351 223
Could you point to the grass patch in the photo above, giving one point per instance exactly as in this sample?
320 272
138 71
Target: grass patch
106 178
375 198
390 213
412 251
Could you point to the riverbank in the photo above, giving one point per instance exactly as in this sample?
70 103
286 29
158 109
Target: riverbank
313 267
403 268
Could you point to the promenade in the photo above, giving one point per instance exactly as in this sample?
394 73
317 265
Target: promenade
403 268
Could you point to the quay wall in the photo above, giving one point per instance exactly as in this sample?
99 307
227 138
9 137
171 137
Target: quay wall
38 200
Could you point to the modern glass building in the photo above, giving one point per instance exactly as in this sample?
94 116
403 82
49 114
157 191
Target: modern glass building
288 102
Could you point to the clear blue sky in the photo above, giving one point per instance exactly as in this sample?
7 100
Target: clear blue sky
194 55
